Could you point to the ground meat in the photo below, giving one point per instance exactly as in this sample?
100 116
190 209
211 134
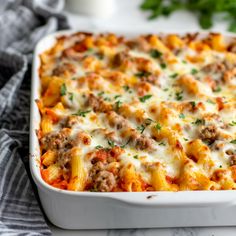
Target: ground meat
209 134
98 104
64 158
70 121
104 181
97 167
119 58
144 143
214 68
116 121
59 140
232 160
66 69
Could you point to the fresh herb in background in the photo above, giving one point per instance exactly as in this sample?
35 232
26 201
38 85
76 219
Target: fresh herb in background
205 10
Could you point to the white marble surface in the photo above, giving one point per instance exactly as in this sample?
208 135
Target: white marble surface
129 18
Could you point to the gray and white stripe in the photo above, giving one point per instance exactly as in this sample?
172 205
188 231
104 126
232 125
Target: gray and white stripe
22 24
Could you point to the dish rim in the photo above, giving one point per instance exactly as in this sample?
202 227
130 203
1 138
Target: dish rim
157 198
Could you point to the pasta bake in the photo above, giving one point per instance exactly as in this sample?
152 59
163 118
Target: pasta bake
148 113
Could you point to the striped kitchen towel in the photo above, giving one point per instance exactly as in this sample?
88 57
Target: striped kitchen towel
22 24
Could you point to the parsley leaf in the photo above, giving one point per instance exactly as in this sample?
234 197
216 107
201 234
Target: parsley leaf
232 123
199 122
194 71
155 53
135 157
233 141
63 90
144 98
118 104
162 144
181 116
71 97
179 95
158 126
210 101
98 147
117 96
193 104
174 75
217 90
141 128
142 74
82 113
124 145
101 93
111 143
163 65
126 88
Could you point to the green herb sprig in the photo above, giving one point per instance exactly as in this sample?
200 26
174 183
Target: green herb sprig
204 9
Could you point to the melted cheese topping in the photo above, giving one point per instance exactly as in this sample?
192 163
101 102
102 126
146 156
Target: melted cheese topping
153 113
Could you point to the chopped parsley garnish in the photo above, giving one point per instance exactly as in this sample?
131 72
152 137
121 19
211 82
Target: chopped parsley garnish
220 166
90 49
194 71
158 126
111 143
101 93
99 147
144 98
126 88
199 122
185 139
117 96
179 95
141 128
210 101
184 62
232 123
71 96
142 74
181 116
162 144
63 90
124 145
82 113
174 75
93 190
217 90
73 78
118 105
148 121
163 65
193 104
107 99
135 157
165 89
155 53
233 141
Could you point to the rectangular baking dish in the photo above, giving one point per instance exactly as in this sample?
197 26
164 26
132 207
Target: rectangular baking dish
93 210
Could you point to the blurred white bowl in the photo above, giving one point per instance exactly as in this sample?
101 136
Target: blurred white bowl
96 8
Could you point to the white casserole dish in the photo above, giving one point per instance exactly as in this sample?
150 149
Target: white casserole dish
92 210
